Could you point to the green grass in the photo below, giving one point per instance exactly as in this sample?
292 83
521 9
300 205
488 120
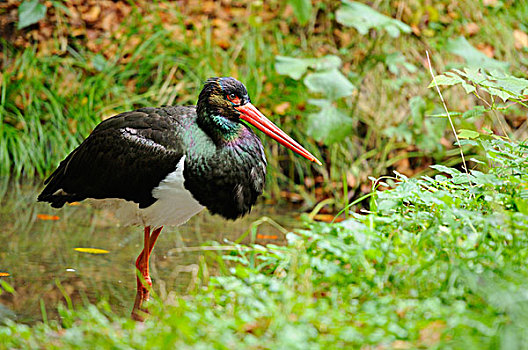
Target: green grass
436 263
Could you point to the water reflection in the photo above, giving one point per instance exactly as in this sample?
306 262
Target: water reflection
39 254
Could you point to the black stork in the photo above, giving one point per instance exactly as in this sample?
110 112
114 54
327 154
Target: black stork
161 166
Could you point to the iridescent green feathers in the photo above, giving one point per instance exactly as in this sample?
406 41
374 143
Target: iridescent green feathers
216 115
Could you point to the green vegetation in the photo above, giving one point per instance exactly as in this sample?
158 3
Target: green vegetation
437 263
439 258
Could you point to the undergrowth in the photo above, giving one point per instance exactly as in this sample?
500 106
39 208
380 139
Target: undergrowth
438 262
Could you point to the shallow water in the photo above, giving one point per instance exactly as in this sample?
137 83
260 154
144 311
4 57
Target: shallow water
43 267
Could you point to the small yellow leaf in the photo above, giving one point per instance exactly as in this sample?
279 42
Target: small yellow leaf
92 250
4 274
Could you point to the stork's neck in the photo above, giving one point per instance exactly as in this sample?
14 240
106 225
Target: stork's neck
221 130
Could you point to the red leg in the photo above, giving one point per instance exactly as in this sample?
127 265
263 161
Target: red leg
142 264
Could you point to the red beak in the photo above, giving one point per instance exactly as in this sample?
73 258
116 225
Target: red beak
253 116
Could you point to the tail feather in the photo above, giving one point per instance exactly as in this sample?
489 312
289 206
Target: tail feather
54 193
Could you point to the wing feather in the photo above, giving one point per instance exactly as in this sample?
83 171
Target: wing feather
126 157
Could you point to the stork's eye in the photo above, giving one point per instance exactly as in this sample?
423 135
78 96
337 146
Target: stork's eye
234 99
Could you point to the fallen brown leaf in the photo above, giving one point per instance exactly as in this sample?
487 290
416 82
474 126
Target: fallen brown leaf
486 49
416 30
521 39
292 197
92 14
223 43
431 334
491 3
445 142
402 345
403 166
351 180
471 28
281 108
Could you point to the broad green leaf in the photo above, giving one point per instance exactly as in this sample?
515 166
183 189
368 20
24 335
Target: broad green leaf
504 95
446 80
302 10
507 86
296 67
326 62
363 18
474 74
469 88
394 60
30 12
445 169
332 83
91 250
418 106
292 67
512 84
477 111
472 56
330 124
467 134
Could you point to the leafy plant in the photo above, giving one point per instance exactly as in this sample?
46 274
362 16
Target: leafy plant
330 124
363 18
437 262
496 84
423 132
497 91
302 10
30 12
473 57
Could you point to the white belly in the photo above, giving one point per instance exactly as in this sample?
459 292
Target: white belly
174 206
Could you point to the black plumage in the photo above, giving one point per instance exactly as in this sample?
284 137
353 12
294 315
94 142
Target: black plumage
125 156
128 155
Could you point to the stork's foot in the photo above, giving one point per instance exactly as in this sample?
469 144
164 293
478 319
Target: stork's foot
140 310
144 285
138 314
